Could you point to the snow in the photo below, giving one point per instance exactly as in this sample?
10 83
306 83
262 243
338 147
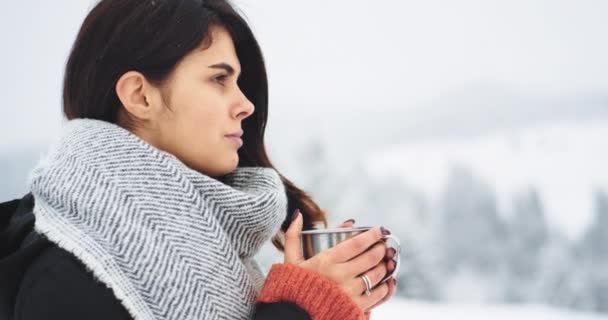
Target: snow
564 161
401 309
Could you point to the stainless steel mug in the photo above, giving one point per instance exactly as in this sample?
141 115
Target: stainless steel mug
315 241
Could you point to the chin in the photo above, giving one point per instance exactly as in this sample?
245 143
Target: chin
227 171
222 169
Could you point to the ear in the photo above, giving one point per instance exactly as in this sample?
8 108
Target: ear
136 95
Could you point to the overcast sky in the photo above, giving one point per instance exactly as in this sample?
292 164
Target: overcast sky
329 58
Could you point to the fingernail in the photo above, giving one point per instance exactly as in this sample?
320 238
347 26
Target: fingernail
385 232
349 220
395 282
294 215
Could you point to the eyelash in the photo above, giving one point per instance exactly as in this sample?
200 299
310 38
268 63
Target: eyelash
220 79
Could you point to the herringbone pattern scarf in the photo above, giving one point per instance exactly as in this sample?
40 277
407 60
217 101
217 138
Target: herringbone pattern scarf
170 242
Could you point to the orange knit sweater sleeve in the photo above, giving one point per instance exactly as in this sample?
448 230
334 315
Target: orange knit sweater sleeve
320 297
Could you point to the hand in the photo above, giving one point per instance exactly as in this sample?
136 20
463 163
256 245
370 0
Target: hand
392 282
345 263
390 266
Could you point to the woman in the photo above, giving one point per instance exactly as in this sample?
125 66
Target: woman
159 191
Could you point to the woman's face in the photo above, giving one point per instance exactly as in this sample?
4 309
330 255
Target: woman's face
202 108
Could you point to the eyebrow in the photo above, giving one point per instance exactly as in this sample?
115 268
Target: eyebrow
224 66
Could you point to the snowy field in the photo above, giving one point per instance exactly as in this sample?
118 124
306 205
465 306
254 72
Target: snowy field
564 161
400 309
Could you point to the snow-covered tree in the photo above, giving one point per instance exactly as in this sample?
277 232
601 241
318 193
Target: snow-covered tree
593 258
473 234
527 238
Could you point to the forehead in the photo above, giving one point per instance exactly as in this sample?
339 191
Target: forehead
216 49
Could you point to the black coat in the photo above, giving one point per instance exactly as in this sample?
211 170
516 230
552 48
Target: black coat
39 280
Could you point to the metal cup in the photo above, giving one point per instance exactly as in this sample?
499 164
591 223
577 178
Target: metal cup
315 241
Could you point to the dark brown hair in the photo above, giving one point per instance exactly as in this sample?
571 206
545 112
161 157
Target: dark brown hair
151 37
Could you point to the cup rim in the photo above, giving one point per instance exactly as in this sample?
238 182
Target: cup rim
335 230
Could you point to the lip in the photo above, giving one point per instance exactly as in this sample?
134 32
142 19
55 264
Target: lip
237 134
235 138
238 142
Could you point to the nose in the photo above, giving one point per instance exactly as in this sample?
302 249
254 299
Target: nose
243 107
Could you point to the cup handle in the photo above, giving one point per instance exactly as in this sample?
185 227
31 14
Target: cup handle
397 257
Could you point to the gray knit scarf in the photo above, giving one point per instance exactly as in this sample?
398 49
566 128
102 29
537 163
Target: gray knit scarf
170 242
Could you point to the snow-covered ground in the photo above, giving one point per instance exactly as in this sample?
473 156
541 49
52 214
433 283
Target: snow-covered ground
400 309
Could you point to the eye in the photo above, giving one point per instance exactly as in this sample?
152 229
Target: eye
220 79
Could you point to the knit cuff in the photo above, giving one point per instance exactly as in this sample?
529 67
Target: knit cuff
320 297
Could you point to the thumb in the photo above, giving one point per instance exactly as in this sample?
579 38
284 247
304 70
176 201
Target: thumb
293 242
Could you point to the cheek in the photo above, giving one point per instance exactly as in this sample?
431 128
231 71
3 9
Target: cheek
199 132
201 115
205 123
204 104
200 122
202 130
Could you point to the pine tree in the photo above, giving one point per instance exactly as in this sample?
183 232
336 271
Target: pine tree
473 234
593 253
528 236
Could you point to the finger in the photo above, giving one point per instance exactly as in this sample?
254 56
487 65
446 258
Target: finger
356 245
365 261
357 285
293 242
390 253
366 302
390 265
392 289
347 224
377 274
